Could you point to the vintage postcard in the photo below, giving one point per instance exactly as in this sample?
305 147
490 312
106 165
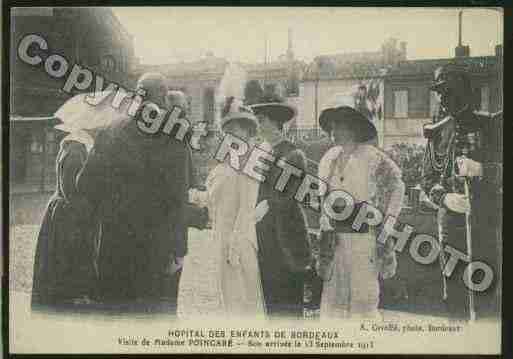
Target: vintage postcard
255 180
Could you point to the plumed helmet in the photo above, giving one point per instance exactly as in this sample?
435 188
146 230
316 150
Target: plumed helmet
446 75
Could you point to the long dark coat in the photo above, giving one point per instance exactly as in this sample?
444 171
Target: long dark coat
138 184
282 234
64 266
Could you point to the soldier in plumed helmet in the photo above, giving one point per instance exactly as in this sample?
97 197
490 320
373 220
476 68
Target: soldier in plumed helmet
463 173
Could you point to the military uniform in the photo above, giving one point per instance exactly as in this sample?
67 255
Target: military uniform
478 136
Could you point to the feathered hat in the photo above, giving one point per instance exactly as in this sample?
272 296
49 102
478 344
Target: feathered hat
274 107
234 110
230 94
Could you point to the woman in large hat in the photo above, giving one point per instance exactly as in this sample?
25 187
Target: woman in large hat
231 199
284 252
352 261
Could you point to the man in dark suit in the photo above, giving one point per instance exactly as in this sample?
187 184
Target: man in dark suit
139 183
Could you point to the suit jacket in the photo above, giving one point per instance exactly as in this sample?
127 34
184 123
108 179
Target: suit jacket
138 184
282 233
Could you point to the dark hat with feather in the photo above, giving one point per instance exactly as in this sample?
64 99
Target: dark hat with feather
274 107
234 110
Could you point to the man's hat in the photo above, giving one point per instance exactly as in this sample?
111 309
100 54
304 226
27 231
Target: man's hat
345 107
234 110
274 107
446 73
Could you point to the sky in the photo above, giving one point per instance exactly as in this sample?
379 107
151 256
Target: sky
170 34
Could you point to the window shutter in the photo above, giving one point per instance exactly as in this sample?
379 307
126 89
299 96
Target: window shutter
485 98
401 103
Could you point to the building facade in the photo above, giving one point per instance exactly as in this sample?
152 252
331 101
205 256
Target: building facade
89 37
200 80
331 75
409 103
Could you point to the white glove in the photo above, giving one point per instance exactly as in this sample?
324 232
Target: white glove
261 210
175 265
468 167
198 197
324 223
457 202
83 300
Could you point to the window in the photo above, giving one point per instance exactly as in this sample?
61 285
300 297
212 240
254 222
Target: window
401 103
270 89
485 98
292 86
209 105
279 89
36 144
434 104
108 63
52 142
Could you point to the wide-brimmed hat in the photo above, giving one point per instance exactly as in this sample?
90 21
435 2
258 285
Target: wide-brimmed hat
345 107
234 110
274 107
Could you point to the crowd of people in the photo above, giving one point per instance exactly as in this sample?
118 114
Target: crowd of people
115 232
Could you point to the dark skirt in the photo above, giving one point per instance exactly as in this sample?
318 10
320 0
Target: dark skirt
64 266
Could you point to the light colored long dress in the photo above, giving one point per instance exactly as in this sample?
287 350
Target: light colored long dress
370 176
232 199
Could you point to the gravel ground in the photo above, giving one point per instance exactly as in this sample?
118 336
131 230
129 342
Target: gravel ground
197 296
198 293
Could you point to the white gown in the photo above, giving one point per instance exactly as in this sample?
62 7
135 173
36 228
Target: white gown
231 201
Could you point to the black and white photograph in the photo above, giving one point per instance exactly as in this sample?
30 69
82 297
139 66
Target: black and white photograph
296 180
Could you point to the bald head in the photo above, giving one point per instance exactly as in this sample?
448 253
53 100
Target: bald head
155 86
177 98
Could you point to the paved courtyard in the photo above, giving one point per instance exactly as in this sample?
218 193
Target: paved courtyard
197 287
198 294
